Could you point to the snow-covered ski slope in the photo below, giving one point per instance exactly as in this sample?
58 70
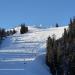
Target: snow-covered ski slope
23 54
34 38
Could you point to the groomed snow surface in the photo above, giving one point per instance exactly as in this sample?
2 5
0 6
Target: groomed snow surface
24 54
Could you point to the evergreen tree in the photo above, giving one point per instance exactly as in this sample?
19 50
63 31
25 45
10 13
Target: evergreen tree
72 28
57 25
65 35
60 55
7 33
3 33
49 52
14 31
23 29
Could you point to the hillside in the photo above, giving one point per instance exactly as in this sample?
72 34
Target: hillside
26 51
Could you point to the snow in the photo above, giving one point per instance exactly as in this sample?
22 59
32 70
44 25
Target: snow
24 54
36 67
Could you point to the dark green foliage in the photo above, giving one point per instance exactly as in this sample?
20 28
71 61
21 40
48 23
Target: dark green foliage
14 31
51 53
23 29
10 32
2 34
7 33
57 25
65 36
72 28
60 55
49 43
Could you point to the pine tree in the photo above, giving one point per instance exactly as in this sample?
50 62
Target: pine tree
72 28
3 33
7 33
57 25
23 29
65 35
49 51
14 31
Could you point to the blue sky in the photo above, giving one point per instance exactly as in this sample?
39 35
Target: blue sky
45 12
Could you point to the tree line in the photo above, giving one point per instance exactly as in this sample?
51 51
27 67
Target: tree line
4 33
60 56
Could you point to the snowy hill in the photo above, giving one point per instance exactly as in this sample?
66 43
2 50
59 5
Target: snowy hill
35 37
27 48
